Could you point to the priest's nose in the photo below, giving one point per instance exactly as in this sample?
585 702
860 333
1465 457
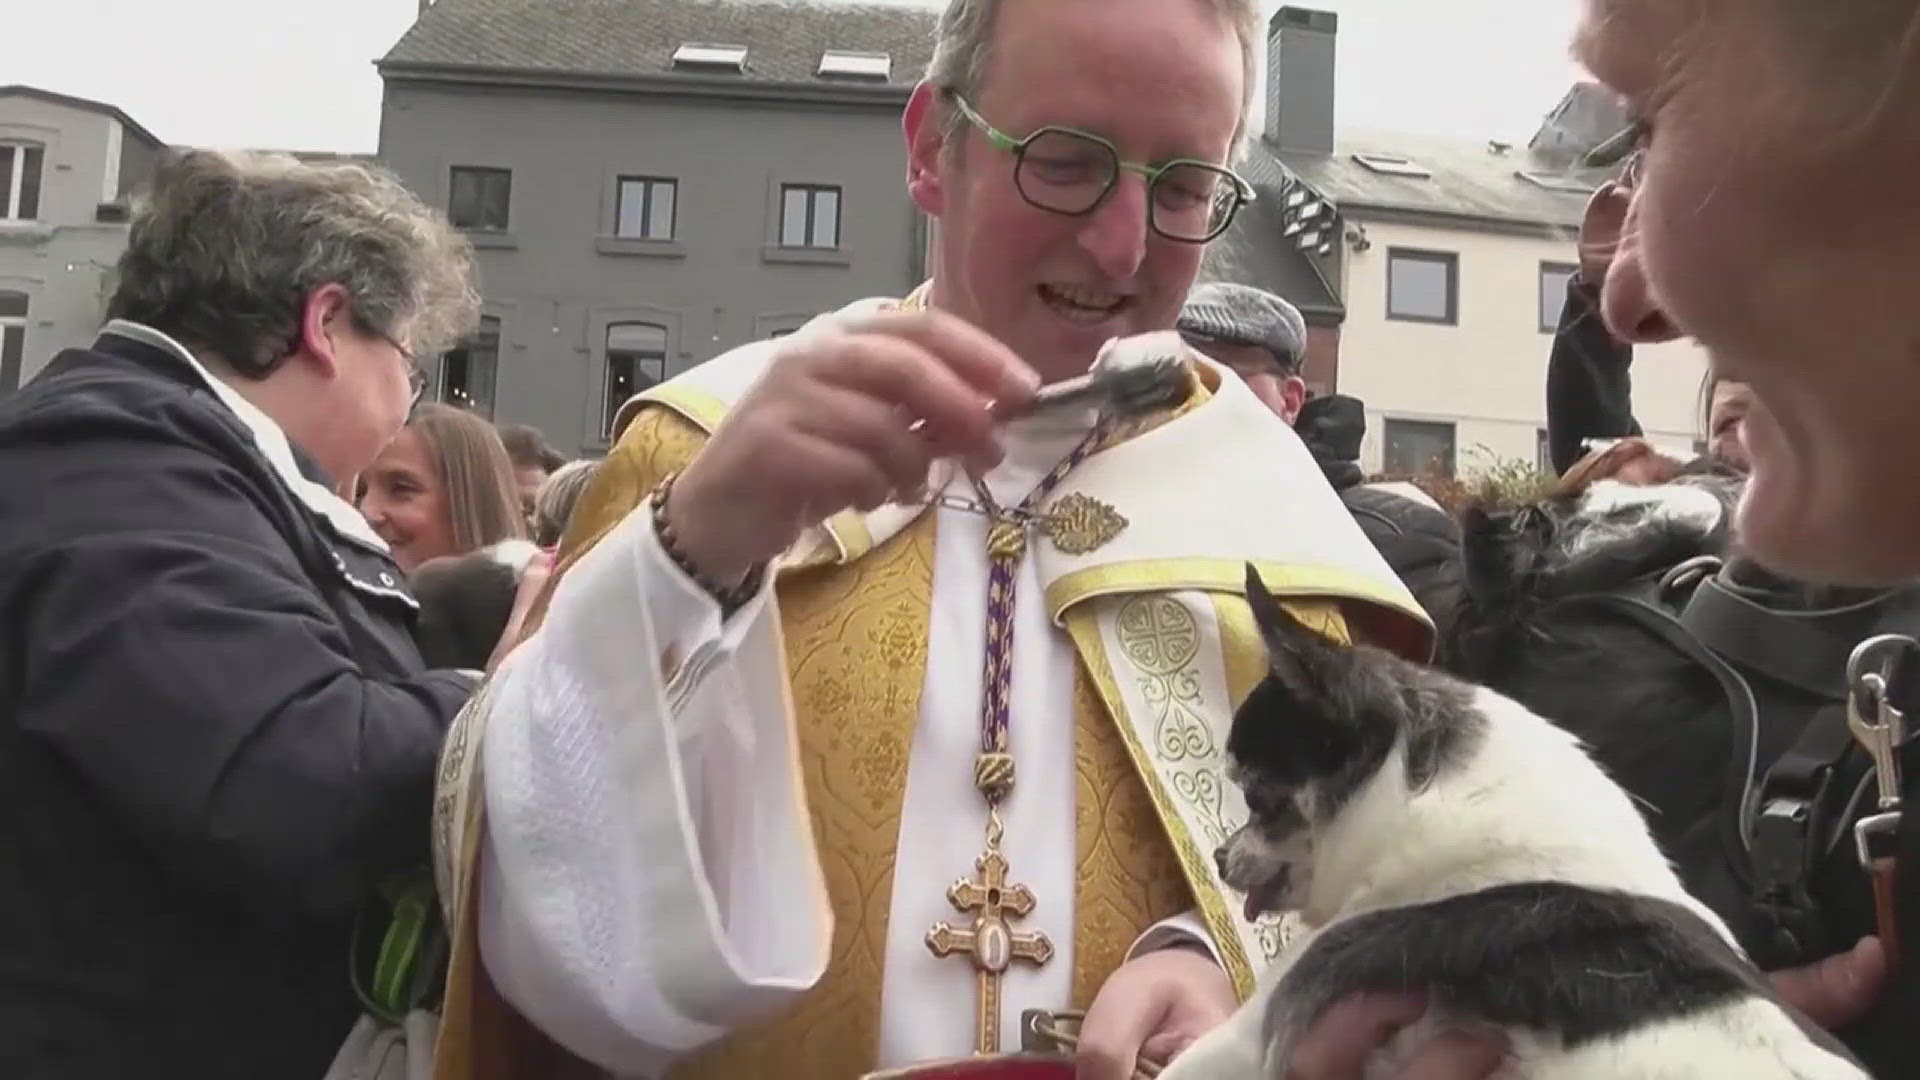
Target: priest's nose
1220 860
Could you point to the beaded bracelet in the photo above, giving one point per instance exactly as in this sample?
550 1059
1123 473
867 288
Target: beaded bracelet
730 599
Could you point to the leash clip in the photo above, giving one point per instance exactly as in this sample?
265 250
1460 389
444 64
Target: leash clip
1881 728
1877 724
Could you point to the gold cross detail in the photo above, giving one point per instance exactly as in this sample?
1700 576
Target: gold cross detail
989 942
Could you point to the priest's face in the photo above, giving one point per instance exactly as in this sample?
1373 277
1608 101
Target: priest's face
1159 81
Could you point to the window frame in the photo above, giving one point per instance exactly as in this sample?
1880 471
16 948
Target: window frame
439 387
647 183
813 193
610 408
1386 444
13 199
15 326
1558 302
1450 260
483 171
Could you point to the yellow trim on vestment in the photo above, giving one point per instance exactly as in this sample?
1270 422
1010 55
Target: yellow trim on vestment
1230 576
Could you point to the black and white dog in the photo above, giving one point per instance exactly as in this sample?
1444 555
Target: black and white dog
1436 836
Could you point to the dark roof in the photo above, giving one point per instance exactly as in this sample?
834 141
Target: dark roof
1253 252
1470 181
784 38
1589 115
101 107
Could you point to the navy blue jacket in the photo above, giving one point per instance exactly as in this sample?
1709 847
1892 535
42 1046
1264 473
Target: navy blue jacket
216 733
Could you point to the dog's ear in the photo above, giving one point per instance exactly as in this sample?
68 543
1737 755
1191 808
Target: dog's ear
1299 723
1300 656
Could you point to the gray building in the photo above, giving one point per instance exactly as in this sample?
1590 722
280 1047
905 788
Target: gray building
67 166
652 182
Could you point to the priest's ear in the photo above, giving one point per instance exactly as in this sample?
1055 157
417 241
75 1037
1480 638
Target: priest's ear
926 122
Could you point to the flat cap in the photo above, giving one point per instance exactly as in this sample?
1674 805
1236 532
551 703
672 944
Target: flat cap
1242 314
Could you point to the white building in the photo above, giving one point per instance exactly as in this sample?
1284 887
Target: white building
1435 271
67 166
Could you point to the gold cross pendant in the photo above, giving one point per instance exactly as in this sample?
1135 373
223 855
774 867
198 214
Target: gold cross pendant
989 942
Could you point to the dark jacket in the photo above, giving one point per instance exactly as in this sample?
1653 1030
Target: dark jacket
1421 544
216 734
1590 395
1589 384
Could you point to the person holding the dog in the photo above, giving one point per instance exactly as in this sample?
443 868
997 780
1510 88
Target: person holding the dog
1748 114
868 712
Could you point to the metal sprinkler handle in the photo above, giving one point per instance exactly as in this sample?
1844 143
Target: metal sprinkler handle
1130 376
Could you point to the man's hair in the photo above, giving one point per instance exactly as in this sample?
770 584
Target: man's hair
226 247
963 51
528 449
483 502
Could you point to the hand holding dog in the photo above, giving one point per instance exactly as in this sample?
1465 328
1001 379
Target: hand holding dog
1152 1008
1338 1046
1838 990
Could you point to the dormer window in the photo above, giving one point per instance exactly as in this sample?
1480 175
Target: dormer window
1394 165
1553 182
856 65
731 58
20 166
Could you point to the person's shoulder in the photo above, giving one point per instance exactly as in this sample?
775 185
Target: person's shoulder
85 398
96 445
1398 509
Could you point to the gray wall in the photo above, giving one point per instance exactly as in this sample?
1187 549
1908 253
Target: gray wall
62 260
556 278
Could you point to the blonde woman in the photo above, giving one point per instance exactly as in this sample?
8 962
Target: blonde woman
443 486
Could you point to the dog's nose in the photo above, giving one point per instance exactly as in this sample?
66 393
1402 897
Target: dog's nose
1220 860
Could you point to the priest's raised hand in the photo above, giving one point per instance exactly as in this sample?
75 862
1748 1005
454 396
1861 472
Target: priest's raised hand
849 414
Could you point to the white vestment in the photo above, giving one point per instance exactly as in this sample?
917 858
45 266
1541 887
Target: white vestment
574 897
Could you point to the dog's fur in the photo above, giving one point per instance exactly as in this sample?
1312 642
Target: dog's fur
1439 837
465 602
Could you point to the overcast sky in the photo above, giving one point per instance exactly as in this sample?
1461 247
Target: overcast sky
296 76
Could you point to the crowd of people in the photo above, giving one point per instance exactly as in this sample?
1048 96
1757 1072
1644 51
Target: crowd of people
694 741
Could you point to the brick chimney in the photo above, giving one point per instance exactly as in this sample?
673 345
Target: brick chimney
1300 52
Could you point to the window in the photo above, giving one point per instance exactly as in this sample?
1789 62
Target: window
636 360
480 197
856 65
809 216
1393 165
20 180
1419 448
721 57
1570 184
468 371
1554 278
645 210
1423 286
13 338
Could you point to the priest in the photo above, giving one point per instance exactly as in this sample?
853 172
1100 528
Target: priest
867 713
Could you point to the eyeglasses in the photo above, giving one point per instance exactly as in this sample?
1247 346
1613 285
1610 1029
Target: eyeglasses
416 375
1070 172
